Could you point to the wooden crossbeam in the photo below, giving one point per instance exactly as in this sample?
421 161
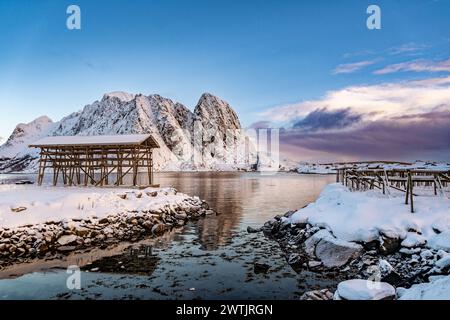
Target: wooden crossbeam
402 180
71 162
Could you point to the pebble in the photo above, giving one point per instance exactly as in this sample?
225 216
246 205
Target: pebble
314 264
253 230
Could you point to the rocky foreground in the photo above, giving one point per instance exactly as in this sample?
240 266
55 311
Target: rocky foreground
55 237
386 261
368 236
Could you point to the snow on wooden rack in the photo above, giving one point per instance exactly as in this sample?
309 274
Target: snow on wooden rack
80 159
129 139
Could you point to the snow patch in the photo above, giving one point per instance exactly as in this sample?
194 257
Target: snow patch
43 204
436 289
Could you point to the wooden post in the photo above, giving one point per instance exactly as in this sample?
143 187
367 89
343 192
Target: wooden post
435 185
407 188
411 186
41 167
135 167
86 166
149 166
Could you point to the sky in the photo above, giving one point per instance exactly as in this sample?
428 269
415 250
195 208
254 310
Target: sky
313 68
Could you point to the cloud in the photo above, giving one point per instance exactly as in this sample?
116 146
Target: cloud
358 54
408 48
425 136
404 120
260 125
372 101
353 67
416 66
323 119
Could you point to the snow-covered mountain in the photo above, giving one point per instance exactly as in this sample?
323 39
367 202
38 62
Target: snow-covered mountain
209 138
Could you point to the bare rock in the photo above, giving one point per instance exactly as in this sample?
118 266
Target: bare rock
330 251
261 267
323 294
158 229
66 248
67 240
389 245
181 215
253 230
147 225
314 264
336 253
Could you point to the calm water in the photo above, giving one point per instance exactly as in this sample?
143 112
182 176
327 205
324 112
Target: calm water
212 258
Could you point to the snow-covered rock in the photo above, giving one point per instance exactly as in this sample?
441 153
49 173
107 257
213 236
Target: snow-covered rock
413 240
358 289
44 204
441 240
123 96
209 138
330 251
335 253
63 219
67 239
370 215
443 263
316 168
385 267
437 289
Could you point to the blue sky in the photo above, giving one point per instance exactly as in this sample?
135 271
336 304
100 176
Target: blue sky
257 55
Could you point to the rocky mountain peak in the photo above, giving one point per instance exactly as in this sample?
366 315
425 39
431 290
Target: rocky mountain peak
190 140
122 96
215 110
25 133
34 127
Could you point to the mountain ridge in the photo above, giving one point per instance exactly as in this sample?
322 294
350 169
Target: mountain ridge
203 139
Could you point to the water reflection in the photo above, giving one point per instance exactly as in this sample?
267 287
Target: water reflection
134 260
243 199
214 255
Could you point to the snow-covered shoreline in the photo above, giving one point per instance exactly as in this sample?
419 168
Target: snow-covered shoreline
331 168
366 216
368 235
38 222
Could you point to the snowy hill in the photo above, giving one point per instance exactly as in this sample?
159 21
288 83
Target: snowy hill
209 138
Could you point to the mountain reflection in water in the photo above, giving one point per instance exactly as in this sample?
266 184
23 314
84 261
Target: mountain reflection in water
243 199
